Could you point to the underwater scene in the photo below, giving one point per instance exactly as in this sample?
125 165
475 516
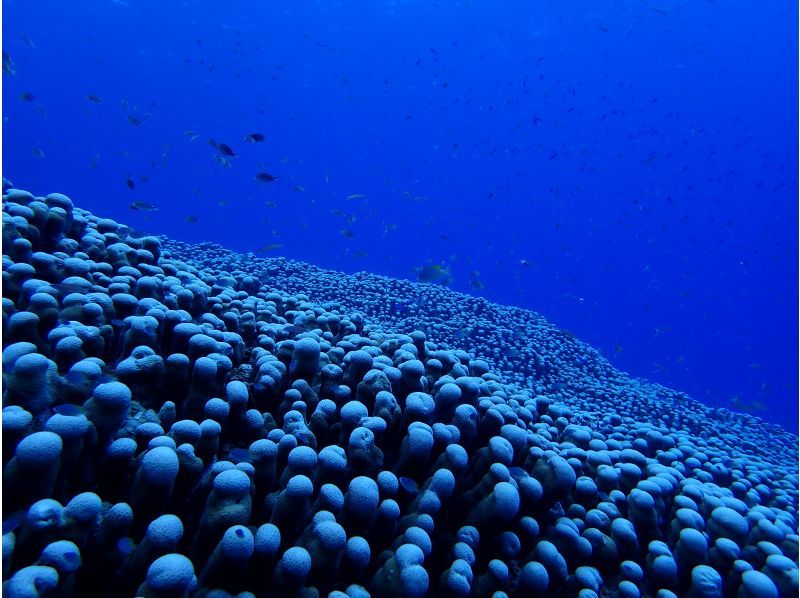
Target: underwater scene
400 298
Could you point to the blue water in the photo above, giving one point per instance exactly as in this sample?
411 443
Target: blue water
640 157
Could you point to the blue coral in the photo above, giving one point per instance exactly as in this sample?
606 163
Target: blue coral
180 420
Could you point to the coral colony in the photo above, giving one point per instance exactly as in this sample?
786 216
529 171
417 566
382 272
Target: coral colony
185 421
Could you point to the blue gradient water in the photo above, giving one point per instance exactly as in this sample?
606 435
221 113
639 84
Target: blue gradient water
639 157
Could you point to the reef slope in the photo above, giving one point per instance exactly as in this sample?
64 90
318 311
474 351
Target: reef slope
184 420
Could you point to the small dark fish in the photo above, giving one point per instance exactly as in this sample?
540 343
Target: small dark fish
191 219
651 157
476 284
95 99
270 247
130 183
747 406
223 203
660 368
38 152
347 233
143 206
226 150
255 138
78 378
435 274
8 65
28 41
67 288
266 177
293 330
399 308
135 120
226 162
131 232
68 409
11 523
525 263
239 455
408 485
125 546
27 96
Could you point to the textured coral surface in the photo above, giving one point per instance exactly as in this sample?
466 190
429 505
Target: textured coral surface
182 420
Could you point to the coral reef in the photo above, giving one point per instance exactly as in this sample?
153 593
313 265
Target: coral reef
182 420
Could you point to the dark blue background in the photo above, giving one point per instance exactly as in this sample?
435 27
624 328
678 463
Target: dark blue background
640 155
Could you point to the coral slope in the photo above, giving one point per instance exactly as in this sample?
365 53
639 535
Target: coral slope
183 420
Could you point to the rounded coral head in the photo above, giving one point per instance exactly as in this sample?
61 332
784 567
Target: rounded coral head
35 580
84 507
112 395
39 449
331 536
160 465
299 486
362 494
170 573
296 562
306 348
232 483
63 555
238 543
165 531
15 418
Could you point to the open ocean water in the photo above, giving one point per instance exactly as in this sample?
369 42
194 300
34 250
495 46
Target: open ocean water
627 171
585 214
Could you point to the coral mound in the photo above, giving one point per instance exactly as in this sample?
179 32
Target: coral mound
182 420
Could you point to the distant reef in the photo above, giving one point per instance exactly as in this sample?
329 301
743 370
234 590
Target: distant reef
183 420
